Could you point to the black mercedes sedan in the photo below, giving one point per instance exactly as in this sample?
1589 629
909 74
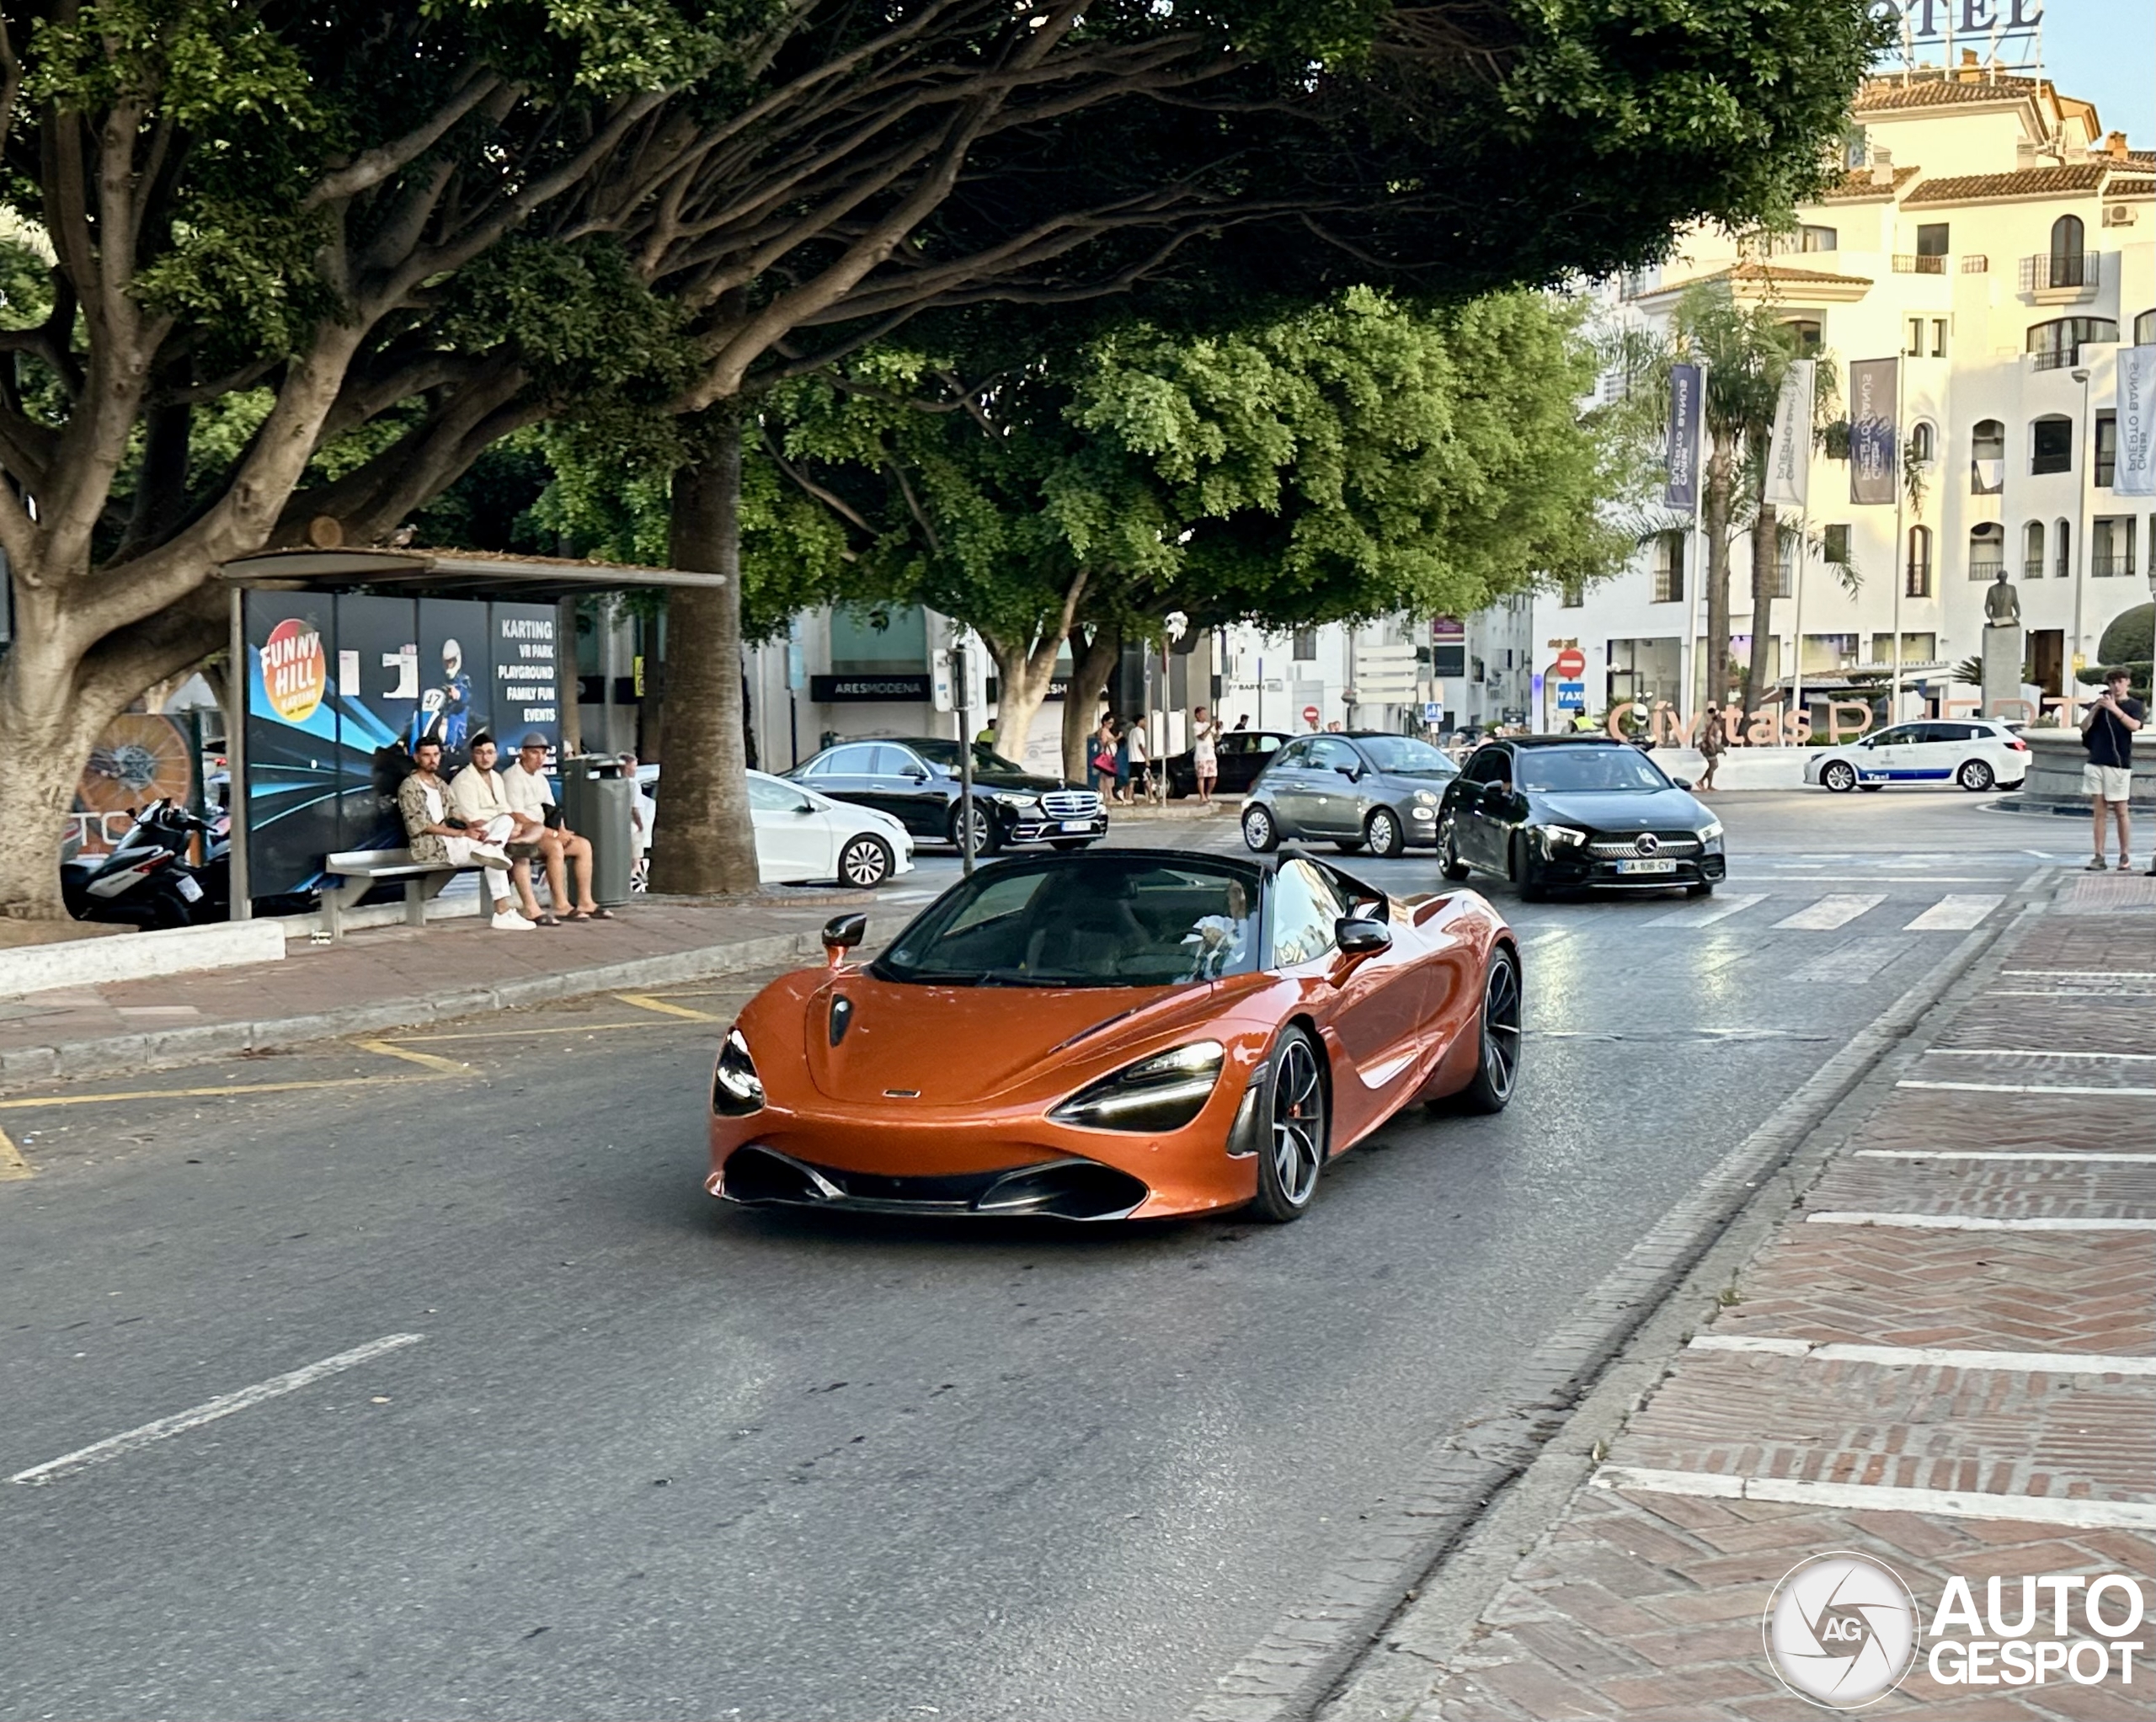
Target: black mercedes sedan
1547 812
914 779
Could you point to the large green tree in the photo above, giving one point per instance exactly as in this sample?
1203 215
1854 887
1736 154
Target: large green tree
1349 460
355 244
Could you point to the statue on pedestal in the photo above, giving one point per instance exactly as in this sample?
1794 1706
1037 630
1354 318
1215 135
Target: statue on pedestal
2002 604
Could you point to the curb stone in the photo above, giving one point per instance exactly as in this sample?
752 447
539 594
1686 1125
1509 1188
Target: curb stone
116 1054
1306 1658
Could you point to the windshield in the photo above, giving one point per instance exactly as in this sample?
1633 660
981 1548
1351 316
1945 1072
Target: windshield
946 754
1406 757
1106 920
1562 768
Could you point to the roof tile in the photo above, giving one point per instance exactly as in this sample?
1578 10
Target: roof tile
2027 181
1883 93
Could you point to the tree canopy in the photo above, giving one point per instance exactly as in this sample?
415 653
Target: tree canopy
305 264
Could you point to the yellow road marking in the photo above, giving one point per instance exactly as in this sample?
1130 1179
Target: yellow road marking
176 1094
12 1163
506 1034
448 1067
644 1001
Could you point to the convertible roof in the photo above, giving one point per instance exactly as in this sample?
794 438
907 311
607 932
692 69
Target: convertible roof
1563 741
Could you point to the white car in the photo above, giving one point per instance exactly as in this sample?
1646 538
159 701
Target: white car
1977 753
801 835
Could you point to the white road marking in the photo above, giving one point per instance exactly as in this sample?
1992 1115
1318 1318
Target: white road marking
1927 1357
1706 913
1954 913
1974 1222
1829 912
2028 1088
210 1409
2034 1052
2081 1514
2103 1156
2081 974
1854 963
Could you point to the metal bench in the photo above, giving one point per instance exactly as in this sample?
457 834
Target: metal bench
362 869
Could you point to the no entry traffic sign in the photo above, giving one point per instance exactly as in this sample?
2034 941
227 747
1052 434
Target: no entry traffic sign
1310 714
1571 665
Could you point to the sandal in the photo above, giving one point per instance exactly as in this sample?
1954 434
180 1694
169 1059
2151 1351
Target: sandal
547 920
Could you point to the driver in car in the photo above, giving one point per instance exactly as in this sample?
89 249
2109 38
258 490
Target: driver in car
1219 940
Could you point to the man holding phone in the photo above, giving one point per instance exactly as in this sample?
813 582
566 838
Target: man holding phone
2107 730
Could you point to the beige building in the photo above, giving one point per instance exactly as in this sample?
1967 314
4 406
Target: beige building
1991 239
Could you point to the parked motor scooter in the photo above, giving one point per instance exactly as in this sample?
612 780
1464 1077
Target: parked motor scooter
147 880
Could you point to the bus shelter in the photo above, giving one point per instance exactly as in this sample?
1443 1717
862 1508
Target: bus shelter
348 657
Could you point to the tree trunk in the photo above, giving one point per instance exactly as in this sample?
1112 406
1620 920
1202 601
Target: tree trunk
704 844
569 683
1766 563
1714 507
1024 671
1091 662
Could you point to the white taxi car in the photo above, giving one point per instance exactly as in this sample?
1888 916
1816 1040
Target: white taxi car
1977 753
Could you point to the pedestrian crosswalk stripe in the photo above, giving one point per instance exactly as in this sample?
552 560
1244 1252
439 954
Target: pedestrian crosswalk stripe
1928 1356
1707 912
2078 1512
1954 913
1853 962
1837 910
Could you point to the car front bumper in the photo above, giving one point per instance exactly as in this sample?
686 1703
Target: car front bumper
1034 828
1560 870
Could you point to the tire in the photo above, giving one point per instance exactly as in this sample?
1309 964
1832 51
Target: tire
1348 845
1448 862
866 862
1261 830
1497 1066
1703 888
1292 1158
1838 775
1871 788
1069 843
1976 777
986 838
1531 888
1383 833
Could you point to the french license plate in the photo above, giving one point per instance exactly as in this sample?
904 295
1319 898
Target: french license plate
1646 866
1077 824
188 888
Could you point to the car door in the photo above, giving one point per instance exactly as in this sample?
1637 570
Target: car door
1287 787
1886 757
844 774
908 790
793 840
1370 1014
1943 748
1481 816
1335 800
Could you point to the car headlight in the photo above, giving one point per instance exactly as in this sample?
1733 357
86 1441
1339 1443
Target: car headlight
1423 798
1559 836
1164 1092
1011 799
736 1089
1712 833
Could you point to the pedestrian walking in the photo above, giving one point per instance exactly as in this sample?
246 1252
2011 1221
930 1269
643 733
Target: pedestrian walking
1204 753
1134 747
2107 728
1714 738
1122 760
1100 758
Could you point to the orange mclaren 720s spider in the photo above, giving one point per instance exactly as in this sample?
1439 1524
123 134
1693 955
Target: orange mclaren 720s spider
1111 1035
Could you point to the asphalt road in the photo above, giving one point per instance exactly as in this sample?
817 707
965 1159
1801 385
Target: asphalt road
655 1457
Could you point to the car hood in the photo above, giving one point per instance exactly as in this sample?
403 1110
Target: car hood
955 1046
1621 810
1025 782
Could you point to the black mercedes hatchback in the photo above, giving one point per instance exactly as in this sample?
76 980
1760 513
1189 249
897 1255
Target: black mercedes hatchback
1547 811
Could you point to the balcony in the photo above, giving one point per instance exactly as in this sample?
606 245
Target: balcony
1920 263
1917 582
2061 278
2112 565
2032 567
1987 567
1975 264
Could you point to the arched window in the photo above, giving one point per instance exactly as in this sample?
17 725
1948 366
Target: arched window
2051 443
2032 551
2058 344
1806 330
1987 458
2063 563
1919 570
2065 252
2144 329
1987 550
1923 443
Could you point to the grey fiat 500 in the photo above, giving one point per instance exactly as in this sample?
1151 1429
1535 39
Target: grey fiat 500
1365 790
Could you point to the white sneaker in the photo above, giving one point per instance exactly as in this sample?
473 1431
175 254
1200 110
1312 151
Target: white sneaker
491 855
507 920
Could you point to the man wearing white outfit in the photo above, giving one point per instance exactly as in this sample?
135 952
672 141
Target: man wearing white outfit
435 833
479 797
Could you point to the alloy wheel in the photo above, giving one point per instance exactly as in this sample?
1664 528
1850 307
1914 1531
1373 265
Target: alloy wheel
865 863
1840 776
1976 776
1382 833
1298 1122
1501 1028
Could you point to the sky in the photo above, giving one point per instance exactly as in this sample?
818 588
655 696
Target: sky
2105 52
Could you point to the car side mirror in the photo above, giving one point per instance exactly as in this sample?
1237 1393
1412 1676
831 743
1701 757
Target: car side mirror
1682 782
914 775
1358 939
1352 773
805 807
841 933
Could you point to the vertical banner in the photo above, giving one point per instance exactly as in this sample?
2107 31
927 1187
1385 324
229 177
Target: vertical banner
1683 454
290 799
2136 473
1789 450
1874 460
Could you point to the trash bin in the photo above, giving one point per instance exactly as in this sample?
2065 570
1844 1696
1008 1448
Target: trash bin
596 800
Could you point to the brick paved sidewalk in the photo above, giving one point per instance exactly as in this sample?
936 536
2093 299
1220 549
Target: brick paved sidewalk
1945 1358
396 975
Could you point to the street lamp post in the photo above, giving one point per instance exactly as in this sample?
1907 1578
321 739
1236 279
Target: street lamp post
2083 440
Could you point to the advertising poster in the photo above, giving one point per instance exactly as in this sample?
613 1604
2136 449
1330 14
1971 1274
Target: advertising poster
1681 453
339 687
1874 460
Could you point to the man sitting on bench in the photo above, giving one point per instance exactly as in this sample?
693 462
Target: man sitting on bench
566 855
478 797
438 837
